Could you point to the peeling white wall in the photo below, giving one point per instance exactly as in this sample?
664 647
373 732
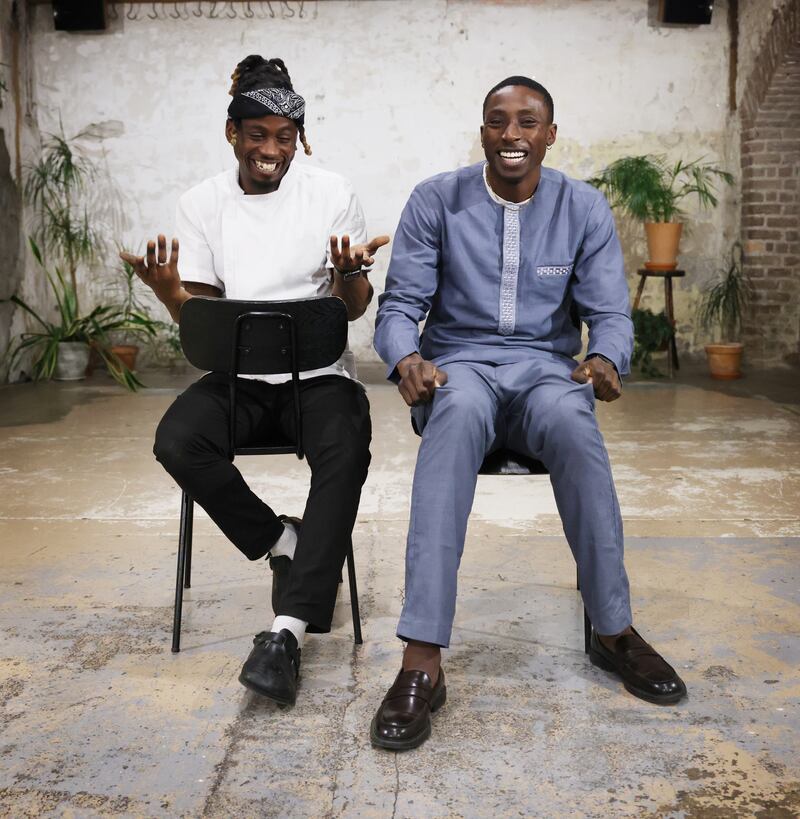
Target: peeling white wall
394 91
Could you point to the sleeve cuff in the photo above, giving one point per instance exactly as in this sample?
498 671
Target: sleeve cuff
606 359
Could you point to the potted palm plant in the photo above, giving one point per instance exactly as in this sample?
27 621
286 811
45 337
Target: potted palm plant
58 187
61 348
651 190
73 212
720 311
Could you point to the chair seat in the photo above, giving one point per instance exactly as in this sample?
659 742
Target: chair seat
509 462
272 449
276 446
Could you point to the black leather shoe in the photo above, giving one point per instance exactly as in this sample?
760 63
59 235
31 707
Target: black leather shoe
273 666
281 565
644 672
403 720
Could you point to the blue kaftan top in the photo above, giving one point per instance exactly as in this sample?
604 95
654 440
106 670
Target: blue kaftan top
498 279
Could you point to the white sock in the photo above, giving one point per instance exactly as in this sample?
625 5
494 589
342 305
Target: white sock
287 542
297 627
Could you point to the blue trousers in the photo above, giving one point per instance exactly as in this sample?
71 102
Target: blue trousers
530 405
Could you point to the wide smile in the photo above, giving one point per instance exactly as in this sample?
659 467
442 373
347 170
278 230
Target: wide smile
512 158
262 166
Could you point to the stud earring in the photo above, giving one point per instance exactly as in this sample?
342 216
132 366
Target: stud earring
232 140
549 147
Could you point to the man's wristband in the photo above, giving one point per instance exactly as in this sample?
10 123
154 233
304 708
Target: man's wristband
352 274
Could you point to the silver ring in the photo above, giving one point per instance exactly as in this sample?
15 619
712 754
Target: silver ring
161 264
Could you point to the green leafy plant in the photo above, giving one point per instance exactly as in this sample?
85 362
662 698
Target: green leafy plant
94 329
121 289
650 189
58 186
726 299
161 336
71 217
651 333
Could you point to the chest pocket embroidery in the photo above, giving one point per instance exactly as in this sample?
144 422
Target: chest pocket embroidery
553 270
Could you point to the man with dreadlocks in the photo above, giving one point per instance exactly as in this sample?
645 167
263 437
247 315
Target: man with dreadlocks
506 258
270 229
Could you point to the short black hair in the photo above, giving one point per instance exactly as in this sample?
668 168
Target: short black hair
528 83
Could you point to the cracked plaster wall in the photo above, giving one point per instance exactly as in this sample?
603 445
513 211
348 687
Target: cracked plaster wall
17 136
394 92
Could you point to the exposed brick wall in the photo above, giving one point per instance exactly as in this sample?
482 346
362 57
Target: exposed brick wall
771 193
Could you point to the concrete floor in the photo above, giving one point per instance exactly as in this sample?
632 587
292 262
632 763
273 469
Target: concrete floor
98 718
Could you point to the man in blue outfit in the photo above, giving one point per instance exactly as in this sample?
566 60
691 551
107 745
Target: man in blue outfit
506 259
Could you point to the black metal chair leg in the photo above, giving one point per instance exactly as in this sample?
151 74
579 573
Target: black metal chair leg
577 579
185 531
351 580
587 631
187 577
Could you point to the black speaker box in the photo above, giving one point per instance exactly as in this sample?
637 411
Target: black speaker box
686 12
79 15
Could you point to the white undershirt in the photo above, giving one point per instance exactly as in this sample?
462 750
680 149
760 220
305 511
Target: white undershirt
272 246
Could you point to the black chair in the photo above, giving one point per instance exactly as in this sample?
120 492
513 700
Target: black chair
258 338
509 462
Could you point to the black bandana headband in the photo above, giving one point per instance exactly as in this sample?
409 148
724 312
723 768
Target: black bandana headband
266 101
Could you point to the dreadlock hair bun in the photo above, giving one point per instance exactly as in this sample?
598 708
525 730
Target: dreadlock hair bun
255 72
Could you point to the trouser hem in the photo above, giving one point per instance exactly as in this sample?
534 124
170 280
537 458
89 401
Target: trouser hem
424 631
259 550
608 624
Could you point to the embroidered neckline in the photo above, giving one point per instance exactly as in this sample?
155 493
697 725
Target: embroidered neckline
499 199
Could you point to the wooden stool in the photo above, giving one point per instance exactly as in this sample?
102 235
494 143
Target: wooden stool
668 276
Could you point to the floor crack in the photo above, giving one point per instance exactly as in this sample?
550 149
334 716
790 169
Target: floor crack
396 785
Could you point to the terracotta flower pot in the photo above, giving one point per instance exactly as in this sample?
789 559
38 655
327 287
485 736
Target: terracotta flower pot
127 354
725 360
663 240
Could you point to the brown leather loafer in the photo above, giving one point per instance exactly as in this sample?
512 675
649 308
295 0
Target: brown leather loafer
644 672
403 720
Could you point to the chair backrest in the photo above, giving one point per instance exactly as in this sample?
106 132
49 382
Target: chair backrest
263 338
208 329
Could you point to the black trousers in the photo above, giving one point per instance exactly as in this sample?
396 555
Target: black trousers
192 445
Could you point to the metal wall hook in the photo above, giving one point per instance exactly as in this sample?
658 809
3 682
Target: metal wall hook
231 9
